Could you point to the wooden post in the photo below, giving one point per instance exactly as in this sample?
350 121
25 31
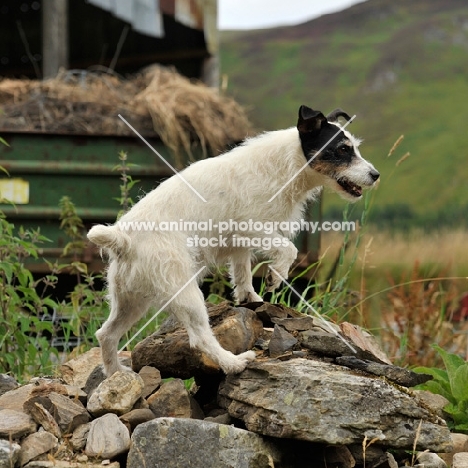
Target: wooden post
54 36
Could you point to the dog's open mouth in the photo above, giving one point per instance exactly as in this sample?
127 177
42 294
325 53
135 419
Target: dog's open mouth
349 187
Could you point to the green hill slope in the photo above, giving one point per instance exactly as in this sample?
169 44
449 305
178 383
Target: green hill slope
401 67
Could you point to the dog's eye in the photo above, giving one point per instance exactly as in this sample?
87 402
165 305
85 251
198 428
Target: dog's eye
343 149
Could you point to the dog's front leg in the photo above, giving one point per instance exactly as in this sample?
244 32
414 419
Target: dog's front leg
241 277
282 258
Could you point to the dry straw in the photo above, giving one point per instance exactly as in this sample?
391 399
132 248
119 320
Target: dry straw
188 116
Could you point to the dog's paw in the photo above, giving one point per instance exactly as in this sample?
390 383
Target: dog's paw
239 362
249 297
274 279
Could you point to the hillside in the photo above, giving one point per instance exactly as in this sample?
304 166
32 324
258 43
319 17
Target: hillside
401 67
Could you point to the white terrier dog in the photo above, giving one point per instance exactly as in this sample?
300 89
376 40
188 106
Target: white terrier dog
266 179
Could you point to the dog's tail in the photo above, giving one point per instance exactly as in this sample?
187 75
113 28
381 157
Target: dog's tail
110 237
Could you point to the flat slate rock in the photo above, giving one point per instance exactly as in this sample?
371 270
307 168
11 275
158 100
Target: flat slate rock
399 375
321 402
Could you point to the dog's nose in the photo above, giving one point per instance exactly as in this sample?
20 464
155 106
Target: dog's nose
374 174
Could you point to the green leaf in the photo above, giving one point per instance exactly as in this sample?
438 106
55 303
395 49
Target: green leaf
451 361
439 389
459 383
7 269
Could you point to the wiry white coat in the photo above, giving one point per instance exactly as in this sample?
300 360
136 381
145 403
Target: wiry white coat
149 267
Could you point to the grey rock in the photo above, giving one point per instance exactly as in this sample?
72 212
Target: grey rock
68 414
220 419
117 394
36 444
135 417
77 371
435 402
460 444
44 386
14 424
460 460
269 313
98 376
236 328
14 399
199 444
68 464
305 322
324 343
44 418
7 383
79 437
107 437
173 400
399 375
151 378
322 402
430 460
280 342
9 453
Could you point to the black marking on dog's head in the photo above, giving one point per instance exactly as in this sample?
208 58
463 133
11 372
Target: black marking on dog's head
333 152
316 133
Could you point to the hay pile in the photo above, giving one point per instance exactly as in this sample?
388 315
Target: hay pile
156 102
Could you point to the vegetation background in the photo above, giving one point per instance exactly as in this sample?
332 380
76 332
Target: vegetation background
402 68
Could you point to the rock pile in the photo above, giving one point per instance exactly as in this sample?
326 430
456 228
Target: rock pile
318 395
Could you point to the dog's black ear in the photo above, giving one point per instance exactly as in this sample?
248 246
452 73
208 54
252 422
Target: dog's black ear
310 121
333 116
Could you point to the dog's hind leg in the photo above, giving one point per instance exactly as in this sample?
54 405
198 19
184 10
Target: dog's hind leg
190 310
125 311
241 276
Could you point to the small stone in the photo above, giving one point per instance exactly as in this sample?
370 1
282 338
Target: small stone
36 444
94 380
45 386
460 444
7 383
77 371
152 379
67 464
44 419
460 460
173 400
9 453
430 460
137 416
280 342
14 399
68 413
220 419
79 436
84 458
14 424
117 394
435 402
107 438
